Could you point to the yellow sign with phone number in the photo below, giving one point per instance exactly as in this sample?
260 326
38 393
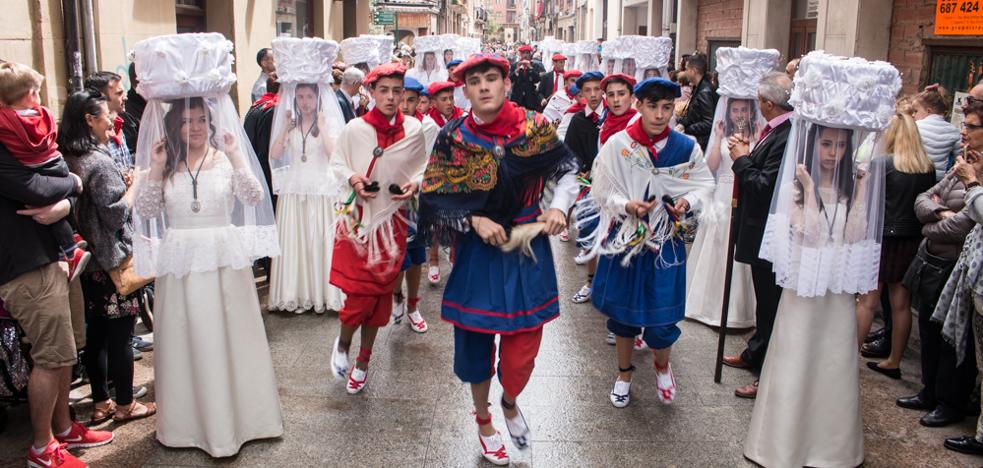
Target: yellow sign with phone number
959 18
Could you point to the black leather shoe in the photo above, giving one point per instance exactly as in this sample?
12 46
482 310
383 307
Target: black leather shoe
964 444
892 373
915 402
940 417
879 348
876 335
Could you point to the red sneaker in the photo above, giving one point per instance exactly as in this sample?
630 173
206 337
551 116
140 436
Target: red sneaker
77 263
82 244
82 437
53 455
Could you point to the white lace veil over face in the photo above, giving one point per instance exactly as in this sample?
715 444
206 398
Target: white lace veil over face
429 65
201 199
826 217
734 116
307 119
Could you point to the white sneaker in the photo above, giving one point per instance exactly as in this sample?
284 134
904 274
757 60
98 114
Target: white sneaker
518 430
417 323
640 344
579 259
399 308
493 449
583 295
339 361
666 385
620 393
356 381
433 275
610 339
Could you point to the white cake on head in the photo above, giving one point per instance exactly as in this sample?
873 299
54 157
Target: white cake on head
183 65
651 53
362 49
306 60
740 69
845 92
431 44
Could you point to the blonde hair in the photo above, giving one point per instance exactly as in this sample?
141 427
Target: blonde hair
905 144
16 80
905 105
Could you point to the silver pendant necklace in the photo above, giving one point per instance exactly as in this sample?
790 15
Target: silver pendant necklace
195 204
303 141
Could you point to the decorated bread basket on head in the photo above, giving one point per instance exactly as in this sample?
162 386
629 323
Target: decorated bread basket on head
307 119
650 56
824 227
569 49
195 167
551 46
587 56
740 71
613 53
361 52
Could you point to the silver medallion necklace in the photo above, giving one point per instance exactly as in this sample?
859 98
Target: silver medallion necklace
303 141
195 204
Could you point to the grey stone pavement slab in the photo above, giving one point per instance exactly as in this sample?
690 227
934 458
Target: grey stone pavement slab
414 412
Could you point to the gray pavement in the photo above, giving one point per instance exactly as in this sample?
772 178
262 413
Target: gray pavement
414 412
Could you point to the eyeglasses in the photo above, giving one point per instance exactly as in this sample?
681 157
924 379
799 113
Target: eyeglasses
968 100
970 127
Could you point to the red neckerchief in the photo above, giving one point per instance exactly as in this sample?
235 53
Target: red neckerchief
637 133
267 100
386 133
581 105
418 116
616 123
117 126
30 138
439 118
509 123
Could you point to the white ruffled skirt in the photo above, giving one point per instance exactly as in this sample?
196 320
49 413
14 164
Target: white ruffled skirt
300 277
215 385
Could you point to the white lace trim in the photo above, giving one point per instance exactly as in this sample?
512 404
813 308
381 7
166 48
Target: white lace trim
184 251
850 268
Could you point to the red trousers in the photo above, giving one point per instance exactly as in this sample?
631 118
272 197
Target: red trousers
474 357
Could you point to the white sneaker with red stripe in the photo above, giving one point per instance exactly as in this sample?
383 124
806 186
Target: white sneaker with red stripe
399 309
82 437
417 323
640 344
433 275
493 449
665 385
356 380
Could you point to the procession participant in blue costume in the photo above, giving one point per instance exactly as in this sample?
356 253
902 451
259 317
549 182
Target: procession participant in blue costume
645 179
416 247
486 176
381 155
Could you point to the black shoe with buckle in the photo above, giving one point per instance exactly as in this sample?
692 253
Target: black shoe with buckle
879 348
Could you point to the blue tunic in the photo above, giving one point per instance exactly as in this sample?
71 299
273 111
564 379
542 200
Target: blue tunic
651 291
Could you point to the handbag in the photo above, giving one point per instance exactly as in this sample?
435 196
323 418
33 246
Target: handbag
15 361
927 275
126 279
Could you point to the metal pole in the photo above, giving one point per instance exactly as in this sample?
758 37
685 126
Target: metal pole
89 32
73 56
728 278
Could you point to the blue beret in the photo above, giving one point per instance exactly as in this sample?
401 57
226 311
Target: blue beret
453 63
589 76
412 84
660 82
574 89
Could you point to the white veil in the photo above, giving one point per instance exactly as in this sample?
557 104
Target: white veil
650 56
429 65
587 56
218 215
824 228
307 120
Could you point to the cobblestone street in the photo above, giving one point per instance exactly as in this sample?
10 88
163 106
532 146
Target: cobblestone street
414 412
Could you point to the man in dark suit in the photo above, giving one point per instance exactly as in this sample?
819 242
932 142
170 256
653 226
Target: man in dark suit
551 82
756 173
351 81
524 76
698 120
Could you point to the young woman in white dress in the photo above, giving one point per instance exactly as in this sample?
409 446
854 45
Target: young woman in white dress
706 265
202 218
823 238
300 152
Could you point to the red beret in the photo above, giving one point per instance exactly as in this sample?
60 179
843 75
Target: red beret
438 86
618 77
525 48
478 59
384 70
559 57
572 74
